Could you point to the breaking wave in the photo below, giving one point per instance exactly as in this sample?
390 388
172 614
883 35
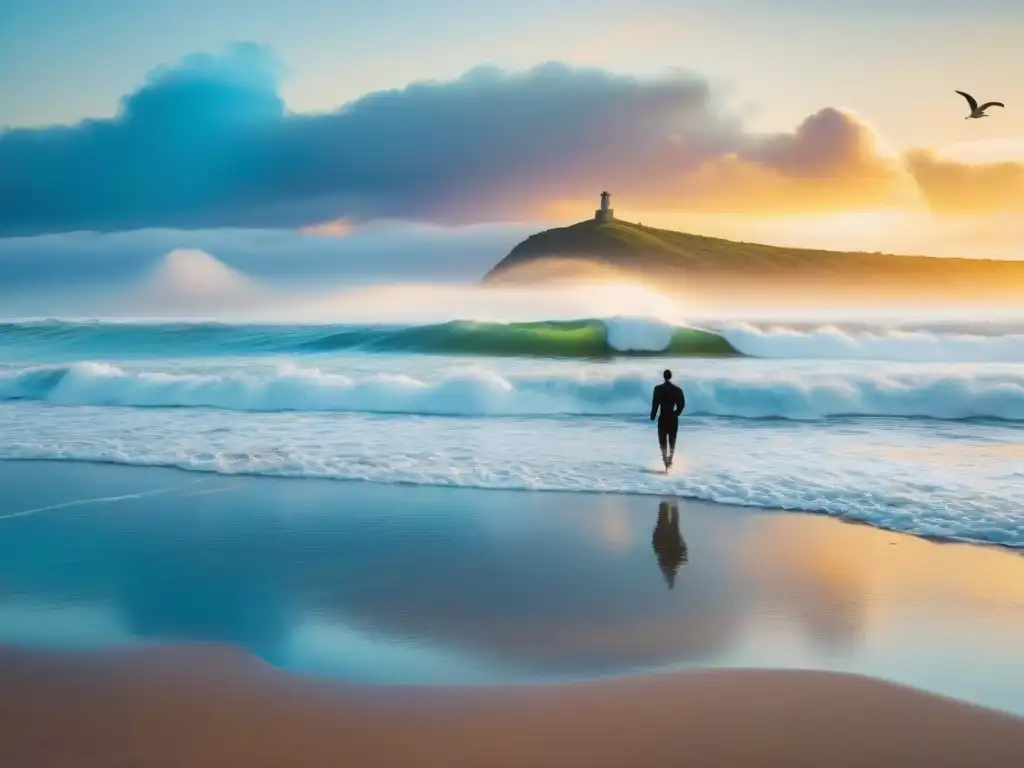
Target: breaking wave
571 339
483 392
579 339
591 338
977 343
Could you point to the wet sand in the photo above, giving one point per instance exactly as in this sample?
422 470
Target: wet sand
416 585
205 706
139 608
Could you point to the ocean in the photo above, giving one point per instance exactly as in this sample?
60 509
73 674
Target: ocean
913 427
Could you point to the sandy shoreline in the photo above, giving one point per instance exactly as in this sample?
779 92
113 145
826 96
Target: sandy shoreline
174 576
396 584
203 706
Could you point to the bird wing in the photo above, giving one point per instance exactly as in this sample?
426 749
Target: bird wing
992 104
970 100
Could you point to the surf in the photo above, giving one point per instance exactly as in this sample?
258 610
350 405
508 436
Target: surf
484 391
963 343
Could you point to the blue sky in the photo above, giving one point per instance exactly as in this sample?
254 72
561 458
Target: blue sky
63 60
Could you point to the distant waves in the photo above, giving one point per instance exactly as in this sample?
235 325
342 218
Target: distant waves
587 338
593 338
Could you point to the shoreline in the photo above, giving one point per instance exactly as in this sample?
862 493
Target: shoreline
394 585
932 539
212 706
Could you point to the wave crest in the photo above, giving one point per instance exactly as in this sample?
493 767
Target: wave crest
831 342
483 392
570 339
590 338
593 338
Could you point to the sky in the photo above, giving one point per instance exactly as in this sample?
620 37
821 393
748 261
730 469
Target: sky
826 124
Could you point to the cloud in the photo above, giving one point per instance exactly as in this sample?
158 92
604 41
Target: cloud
953 186
209 143
335 228
832 162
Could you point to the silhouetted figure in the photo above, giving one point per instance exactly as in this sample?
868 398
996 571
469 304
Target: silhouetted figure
669 400
669 547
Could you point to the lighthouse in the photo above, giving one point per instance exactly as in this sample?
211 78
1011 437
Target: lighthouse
605 212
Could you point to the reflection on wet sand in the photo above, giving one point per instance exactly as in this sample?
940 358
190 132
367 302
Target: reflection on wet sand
230 591
526 581
668 544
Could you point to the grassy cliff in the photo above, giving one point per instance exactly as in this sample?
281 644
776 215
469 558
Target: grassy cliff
677 257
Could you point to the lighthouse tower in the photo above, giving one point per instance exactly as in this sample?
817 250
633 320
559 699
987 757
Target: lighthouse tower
605 212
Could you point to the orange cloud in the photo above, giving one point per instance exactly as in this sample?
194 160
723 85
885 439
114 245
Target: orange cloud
736 184
730 185
831 162
953 186
335 228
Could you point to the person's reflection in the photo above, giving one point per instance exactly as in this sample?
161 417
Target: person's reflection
669 547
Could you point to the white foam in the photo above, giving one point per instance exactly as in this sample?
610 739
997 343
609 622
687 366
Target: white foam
481 391
638 334
953 480
835 343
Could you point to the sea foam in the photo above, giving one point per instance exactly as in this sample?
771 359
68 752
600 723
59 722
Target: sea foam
482 391
953 480
837 343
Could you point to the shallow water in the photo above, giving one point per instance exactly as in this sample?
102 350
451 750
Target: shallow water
909 426
387 584
927 448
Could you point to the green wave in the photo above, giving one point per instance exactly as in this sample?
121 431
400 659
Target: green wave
565 339
570 339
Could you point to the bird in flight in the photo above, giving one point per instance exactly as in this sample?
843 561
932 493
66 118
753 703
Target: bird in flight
977 111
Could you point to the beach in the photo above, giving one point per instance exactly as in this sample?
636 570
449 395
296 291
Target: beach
333 423
909 427
454 544
210 707
159 617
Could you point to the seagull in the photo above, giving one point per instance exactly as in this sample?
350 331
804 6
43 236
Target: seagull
977 111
